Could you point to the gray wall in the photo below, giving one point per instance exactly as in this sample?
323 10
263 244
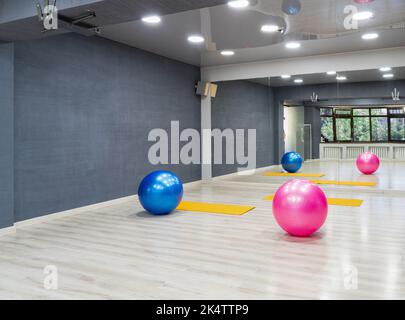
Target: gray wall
368 92
83 111
6 135
245 105
311 116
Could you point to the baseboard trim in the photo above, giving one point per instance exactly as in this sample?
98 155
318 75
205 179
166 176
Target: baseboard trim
8 231
244 173
75 211
71 212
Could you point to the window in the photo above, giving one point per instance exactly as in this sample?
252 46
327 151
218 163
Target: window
379 112
343 129
367 124
396 111
327 112
361 112
327 132
397 129
379 129
343 112
343 124
361 129
327 129
361 125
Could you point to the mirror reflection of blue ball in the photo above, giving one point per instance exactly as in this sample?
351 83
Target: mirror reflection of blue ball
160 192
291 7
291 162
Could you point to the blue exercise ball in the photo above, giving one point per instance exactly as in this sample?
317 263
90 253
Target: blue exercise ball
292 162
291 7
160 192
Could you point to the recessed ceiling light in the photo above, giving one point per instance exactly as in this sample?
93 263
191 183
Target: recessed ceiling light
270 28
292 45
331 73
238 4
152 19
385 69
285 76
298 81
388 75
363 15
369 36
227 52
341 78
196 39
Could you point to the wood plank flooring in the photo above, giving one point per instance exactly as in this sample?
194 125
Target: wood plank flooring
120 252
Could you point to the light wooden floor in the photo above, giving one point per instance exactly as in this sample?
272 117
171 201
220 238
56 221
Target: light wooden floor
120 252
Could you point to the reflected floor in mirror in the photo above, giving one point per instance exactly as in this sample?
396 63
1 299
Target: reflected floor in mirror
340 170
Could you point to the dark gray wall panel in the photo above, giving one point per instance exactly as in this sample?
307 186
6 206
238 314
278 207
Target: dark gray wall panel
6 135
311 116
83 111
245 105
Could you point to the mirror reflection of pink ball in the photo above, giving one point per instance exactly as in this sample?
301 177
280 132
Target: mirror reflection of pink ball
368 163
300 207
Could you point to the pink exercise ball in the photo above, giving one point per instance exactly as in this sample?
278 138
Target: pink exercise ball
300 207
368 163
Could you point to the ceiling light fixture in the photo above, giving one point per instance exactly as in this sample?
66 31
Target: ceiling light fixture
331 73
268 28
152 19
285 76
388 75
293 45
227 53
238 4
298 81
369 36
341 78
196 39
385 69
363 15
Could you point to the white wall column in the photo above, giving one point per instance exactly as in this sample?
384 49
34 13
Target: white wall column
206 148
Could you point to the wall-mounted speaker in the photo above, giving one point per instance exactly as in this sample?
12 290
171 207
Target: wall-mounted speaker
206 89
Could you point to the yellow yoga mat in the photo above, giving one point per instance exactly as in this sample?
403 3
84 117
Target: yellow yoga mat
285 174
335 201
346 183
229 209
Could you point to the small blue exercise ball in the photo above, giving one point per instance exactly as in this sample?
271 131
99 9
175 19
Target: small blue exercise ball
292 162
160 192
291 7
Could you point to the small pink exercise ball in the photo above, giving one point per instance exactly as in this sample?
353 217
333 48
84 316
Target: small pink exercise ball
300 207
368 163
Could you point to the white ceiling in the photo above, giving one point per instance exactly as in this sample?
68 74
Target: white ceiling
226 28
323 78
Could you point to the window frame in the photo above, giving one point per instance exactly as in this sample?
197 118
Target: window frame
351 116
394 116
342 116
